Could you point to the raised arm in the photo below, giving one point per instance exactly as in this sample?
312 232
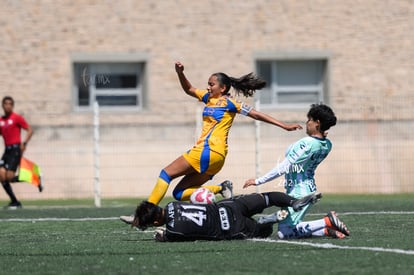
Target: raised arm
185 84
276 172
298 153
268 119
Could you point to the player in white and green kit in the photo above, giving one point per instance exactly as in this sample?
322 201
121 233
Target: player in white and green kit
299 167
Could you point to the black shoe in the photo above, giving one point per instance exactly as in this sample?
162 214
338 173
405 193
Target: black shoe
13 206
227 189
332 221
40 184
302 202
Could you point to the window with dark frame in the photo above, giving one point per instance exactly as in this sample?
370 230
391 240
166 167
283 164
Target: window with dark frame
292 82
112 84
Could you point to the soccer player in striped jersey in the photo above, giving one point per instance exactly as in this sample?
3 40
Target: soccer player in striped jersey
206 158
298 167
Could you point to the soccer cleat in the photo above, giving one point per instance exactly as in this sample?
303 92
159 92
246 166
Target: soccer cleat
333 222
274 218
127 219
160 235
227 189
302 202
334 233
13 206
40 186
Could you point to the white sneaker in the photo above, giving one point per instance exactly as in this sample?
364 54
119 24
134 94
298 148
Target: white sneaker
127 219
274 218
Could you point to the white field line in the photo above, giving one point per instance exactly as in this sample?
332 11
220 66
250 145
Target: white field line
317 245
367 213
58 219
333 246
117 218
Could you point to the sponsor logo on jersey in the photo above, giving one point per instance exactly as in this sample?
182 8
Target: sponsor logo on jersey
224 219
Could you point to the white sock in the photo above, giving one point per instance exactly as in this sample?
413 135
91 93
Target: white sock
319 233
310 228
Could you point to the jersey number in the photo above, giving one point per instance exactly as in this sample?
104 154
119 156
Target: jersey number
196 214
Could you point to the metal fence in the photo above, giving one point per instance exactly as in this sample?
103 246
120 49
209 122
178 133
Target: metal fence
369 156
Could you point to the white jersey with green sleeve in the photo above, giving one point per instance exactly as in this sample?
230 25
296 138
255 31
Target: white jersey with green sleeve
299 165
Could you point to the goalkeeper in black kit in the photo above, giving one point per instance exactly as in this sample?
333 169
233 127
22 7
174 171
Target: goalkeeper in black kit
227 219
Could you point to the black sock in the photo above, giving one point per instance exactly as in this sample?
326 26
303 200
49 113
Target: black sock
279 199
263 230
15 179
7 187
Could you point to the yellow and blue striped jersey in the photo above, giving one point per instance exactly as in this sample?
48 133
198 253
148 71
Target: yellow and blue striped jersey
218 116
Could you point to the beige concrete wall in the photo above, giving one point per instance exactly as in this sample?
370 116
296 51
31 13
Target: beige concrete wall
377 160
369 45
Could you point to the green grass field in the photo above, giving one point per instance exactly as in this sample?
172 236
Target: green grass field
73 237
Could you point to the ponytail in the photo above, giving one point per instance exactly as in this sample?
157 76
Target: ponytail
247 84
